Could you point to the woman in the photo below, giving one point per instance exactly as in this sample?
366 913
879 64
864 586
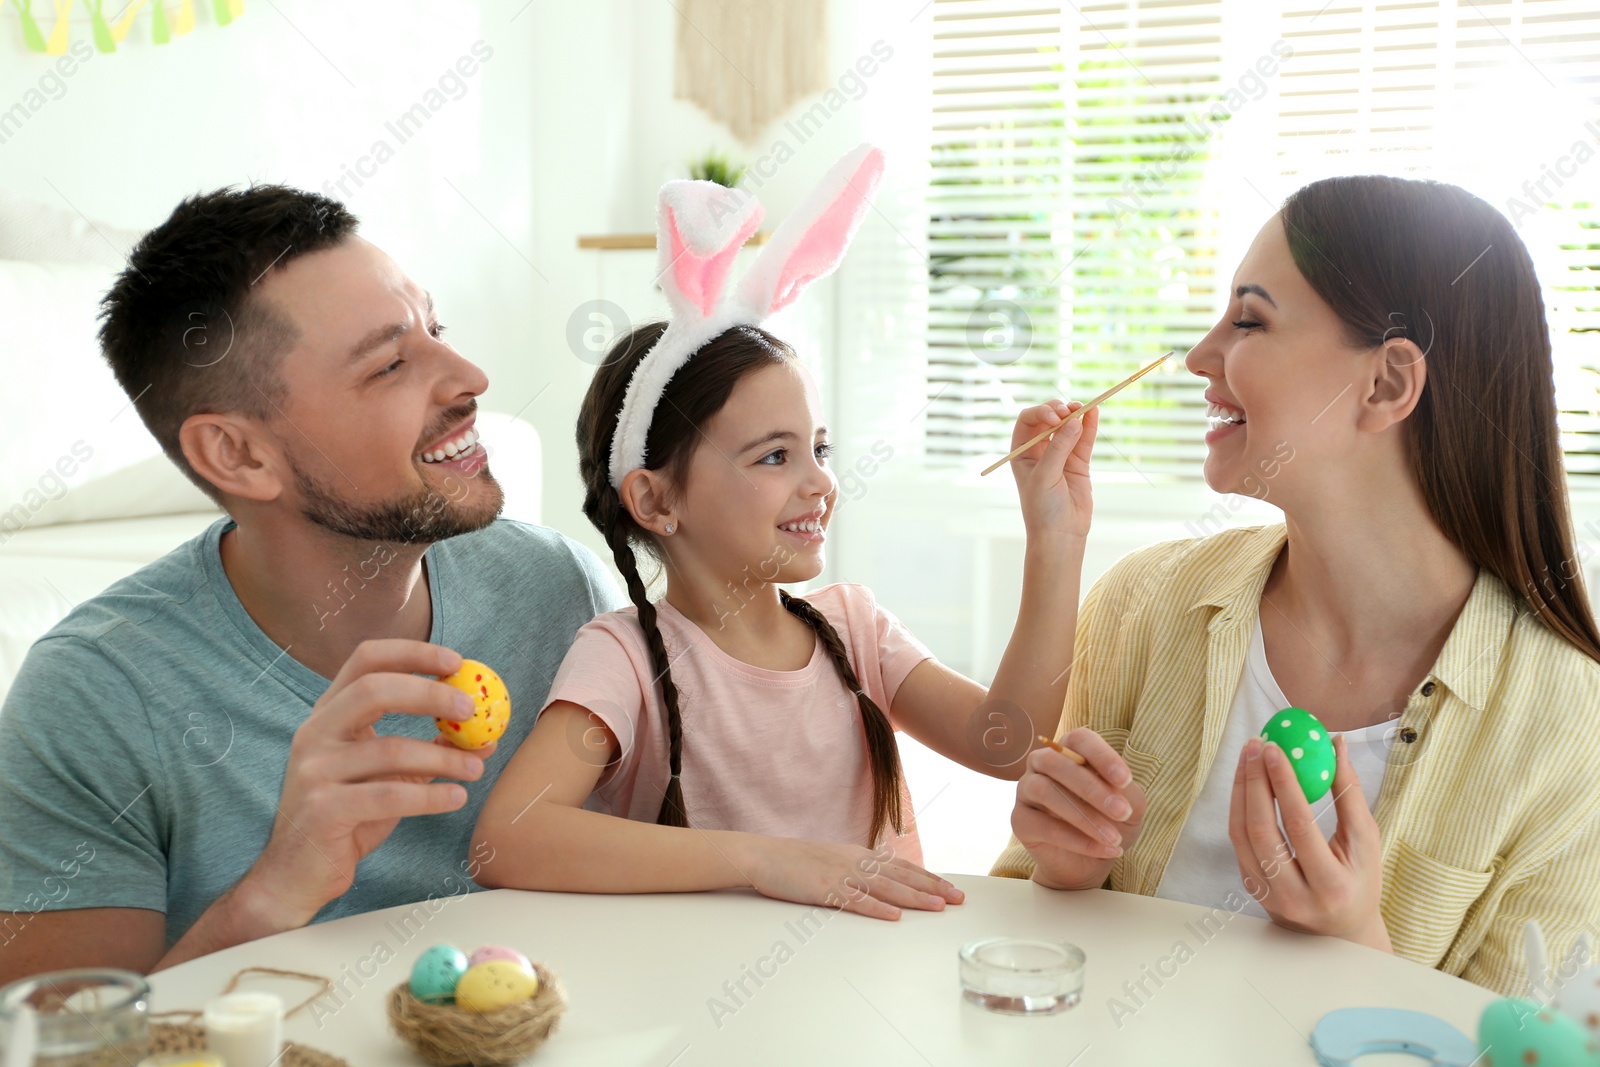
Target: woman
1383 375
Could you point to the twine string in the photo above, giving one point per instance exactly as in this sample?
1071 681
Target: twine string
325 986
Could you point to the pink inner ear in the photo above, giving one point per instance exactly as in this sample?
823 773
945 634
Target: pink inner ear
701 279
823 245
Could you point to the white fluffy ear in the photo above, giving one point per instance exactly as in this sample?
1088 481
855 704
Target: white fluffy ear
809 244
1538 960
700 227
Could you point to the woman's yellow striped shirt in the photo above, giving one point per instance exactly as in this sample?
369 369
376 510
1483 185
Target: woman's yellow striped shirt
1490 814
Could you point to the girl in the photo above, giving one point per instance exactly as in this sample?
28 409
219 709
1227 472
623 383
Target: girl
1383 373
734 734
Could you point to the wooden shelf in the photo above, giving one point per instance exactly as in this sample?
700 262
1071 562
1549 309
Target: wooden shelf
607 242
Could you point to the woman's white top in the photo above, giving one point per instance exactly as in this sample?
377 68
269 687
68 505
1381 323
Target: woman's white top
1203 868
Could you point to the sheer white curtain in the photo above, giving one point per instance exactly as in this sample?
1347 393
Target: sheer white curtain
879 349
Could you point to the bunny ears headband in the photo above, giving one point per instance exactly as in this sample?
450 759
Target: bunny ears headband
700 227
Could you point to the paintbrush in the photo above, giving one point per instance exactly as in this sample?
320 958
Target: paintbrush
1113 391
1064 750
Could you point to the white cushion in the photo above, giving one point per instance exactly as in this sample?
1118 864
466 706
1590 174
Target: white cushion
45 572
517 461
150 486
31 230
64 420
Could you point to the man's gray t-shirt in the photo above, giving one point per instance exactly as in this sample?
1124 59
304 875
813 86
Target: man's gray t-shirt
144 742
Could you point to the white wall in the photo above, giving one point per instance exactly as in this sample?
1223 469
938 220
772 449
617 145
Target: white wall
295 91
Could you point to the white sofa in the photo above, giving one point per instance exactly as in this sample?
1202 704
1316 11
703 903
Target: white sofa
86 497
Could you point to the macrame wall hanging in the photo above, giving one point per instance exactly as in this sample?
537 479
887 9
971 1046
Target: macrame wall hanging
164 24
744 62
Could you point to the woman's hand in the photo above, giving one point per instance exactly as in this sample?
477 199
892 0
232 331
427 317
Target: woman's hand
1053 475
1076 820
1306 883
848 877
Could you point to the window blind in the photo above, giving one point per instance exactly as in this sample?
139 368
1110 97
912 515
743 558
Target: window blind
1489 94
1074 205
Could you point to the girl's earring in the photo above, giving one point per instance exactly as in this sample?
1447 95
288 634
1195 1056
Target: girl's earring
670 527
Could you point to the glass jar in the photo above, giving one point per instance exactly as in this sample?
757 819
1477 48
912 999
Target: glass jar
1022 976
87 1017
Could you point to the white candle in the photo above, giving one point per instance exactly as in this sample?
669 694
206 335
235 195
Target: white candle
245 1029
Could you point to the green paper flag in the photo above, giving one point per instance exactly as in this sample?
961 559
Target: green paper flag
30 29
102 32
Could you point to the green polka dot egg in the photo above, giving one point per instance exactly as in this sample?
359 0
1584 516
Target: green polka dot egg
1514 1033
1310 750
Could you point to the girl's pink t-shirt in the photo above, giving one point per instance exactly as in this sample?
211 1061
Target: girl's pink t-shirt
769 752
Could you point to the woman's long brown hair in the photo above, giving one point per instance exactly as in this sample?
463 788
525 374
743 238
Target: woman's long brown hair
1398 257
689 401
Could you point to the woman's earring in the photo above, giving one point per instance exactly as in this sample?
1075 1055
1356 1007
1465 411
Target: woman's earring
670 527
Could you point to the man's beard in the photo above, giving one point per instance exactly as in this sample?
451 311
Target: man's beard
423 517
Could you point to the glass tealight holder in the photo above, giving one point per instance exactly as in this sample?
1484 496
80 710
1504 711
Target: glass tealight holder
78 1018
1022 976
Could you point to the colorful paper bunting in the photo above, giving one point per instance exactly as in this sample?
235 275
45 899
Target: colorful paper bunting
107 36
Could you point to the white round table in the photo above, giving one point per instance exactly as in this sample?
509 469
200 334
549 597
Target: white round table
657 980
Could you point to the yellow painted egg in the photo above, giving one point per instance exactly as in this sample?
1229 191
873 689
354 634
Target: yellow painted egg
494 985
491 706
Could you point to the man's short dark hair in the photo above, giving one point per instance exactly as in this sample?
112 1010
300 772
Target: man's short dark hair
181 327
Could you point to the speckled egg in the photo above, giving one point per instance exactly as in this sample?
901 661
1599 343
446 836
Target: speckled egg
1580 999
1512 1033
494 985
1309 748
436 973
491 706
506 953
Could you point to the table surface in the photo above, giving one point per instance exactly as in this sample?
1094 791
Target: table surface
645 976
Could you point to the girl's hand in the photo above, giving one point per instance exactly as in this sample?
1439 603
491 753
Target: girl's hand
842 876
1307 883
1053 475
1075 821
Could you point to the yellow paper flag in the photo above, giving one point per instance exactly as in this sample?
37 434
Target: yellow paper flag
57 45
120 30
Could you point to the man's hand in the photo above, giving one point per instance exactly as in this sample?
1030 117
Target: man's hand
346 788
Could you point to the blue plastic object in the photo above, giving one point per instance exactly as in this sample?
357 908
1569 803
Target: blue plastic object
1343 1036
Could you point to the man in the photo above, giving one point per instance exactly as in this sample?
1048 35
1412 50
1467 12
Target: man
177 771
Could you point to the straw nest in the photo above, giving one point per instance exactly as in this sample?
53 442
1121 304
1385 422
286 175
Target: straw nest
450 1036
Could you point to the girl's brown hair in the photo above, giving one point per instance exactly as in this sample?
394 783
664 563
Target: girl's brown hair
1398 257
690 400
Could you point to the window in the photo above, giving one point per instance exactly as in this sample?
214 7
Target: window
1081 181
